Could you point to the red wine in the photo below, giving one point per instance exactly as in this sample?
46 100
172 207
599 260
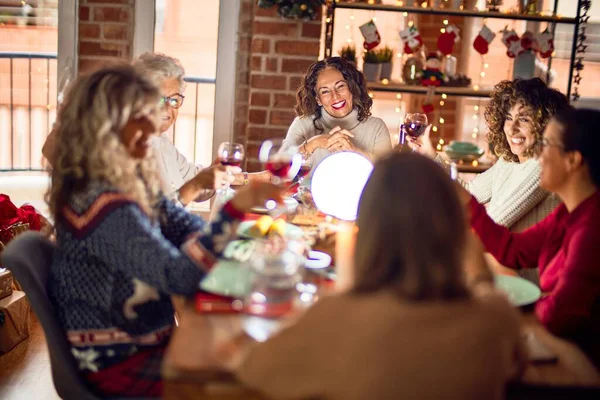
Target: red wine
232 162
279 168
304 170
414 129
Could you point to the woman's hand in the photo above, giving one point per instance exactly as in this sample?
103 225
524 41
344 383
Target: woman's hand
256 194
422 144
339 140
316 142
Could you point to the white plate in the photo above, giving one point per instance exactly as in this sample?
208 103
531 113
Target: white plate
317 260
290 203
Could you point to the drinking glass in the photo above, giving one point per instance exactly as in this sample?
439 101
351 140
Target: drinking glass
231 154
414 126
284 165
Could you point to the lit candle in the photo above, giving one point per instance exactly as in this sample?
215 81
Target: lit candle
345 240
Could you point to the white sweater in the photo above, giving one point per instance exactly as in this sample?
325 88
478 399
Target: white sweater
512 194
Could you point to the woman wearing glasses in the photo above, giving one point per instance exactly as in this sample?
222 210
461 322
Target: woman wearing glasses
565 246
184 180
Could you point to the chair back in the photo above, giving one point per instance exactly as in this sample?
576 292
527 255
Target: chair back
29 257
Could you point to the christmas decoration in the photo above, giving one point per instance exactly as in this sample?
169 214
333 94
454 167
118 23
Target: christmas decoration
294 9
349 53
446 40
371 35
427 105
512 42
492 5
450 63
528 7
412 71
432 74
585 6
412 39
527 40
483 40
544 44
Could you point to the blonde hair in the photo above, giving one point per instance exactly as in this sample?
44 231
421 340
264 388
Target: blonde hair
88 138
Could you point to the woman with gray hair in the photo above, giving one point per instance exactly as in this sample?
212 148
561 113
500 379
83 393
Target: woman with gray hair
184 180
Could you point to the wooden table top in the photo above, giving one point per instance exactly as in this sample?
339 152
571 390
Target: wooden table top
192 365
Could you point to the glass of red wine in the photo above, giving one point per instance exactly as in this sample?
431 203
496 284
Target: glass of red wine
283 164
414 126
230 154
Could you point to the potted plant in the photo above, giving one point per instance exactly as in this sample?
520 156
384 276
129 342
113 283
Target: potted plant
371 65
349 53
385 55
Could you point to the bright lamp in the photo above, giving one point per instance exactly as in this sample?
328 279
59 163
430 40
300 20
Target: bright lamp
338 182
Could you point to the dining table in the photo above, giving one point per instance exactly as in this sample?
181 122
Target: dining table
195 365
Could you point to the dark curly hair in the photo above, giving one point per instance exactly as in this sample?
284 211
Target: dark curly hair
306 96
541 101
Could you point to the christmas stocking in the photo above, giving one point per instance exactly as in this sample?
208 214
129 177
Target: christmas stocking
412 39
371 35
445 42
544 44
527 40
512 42
483 40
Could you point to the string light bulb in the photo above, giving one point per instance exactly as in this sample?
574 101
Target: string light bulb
442 103
442 120
435 128
444 96
476 108
398 96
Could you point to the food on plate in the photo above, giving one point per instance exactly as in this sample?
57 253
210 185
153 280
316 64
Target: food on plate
265 225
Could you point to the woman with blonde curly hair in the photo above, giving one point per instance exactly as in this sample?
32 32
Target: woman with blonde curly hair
516 115
122 247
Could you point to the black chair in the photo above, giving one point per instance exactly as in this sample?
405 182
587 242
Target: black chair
29 257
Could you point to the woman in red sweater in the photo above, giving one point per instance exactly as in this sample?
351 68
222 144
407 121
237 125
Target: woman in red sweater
566 245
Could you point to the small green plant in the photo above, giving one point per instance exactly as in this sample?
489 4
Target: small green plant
370 57
348 53
385 54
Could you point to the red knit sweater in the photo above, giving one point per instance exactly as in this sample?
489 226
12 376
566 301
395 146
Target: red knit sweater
566 248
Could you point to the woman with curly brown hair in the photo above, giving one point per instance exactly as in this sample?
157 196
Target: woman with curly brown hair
516 116
334 114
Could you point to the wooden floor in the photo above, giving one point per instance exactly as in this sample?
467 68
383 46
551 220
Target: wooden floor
25 370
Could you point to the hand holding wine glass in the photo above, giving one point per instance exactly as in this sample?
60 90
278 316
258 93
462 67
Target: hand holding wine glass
283 164
230 154
422 144
413 127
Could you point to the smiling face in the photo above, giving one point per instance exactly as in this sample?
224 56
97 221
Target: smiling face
519 130
169 87
137 133
333 93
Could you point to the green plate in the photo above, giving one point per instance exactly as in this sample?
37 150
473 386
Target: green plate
227 278
520 291
290 230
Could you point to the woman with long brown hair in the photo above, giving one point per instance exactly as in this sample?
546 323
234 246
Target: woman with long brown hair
409 318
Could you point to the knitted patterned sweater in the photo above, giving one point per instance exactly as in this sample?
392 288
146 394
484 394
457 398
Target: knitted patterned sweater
115 268
512 194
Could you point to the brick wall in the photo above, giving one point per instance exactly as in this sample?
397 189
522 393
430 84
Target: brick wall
105 31
275 53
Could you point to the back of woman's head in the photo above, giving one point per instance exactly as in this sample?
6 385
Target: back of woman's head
88 136
306 96
412 231
580 133
541 102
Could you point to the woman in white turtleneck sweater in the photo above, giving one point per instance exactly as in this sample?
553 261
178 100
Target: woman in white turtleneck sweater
334 114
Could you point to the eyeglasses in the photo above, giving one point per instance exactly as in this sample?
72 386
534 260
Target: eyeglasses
174 101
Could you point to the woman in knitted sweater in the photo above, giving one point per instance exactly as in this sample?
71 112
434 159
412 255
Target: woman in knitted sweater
516 116
122 247
333 111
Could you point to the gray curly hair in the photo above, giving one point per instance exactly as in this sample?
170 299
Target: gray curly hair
158 67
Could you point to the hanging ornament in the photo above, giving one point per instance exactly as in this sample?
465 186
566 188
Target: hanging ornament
527 40
512 42
412 71
371 35
432 74
412 39
528 7
446 40
427 105
544 44
483 40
